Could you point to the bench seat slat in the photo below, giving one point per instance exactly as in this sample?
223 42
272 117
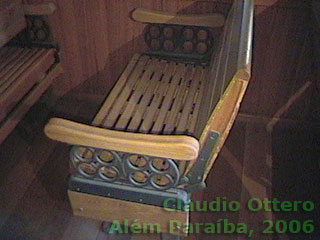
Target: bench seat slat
168 99
191 100
125 93
137 94
152 111
177 101
147 97
115 91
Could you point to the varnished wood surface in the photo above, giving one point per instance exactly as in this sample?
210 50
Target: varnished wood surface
224 116
166 146
23 79
39 9
281 61
148 16
99 52
12 20
21 69
155 96
108 209
33 179
29 100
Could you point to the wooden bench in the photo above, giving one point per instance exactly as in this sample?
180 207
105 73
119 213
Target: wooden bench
163 124
25 73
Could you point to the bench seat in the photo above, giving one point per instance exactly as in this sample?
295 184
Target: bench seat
25 74
155 96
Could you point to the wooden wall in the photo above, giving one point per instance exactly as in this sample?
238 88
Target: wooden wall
281 59
98 38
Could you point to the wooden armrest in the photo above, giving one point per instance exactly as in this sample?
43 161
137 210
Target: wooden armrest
39 9
224 115
175 147
206 20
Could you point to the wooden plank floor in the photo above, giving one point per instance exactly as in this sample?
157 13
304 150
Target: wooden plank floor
33 180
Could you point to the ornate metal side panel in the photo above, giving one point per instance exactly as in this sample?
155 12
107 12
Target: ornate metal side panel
182 42
138 170
125 176
137 178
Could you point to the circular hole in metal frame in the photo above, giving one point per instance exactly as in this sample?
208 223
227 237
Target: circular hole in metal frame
171 163
188 33
110 169
169 32
84 173
169 45
31 35
107 159
203 34
169 178
42 34
154 31
188 47
79 156
202 48
138 183
160 165
132 165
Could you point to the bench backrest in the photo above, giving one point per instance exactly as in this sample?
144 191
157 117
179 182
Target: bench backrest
229 76
232 55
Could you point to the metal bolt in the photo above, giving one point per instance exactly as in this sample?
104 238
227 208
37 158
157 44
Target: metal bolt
81 209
